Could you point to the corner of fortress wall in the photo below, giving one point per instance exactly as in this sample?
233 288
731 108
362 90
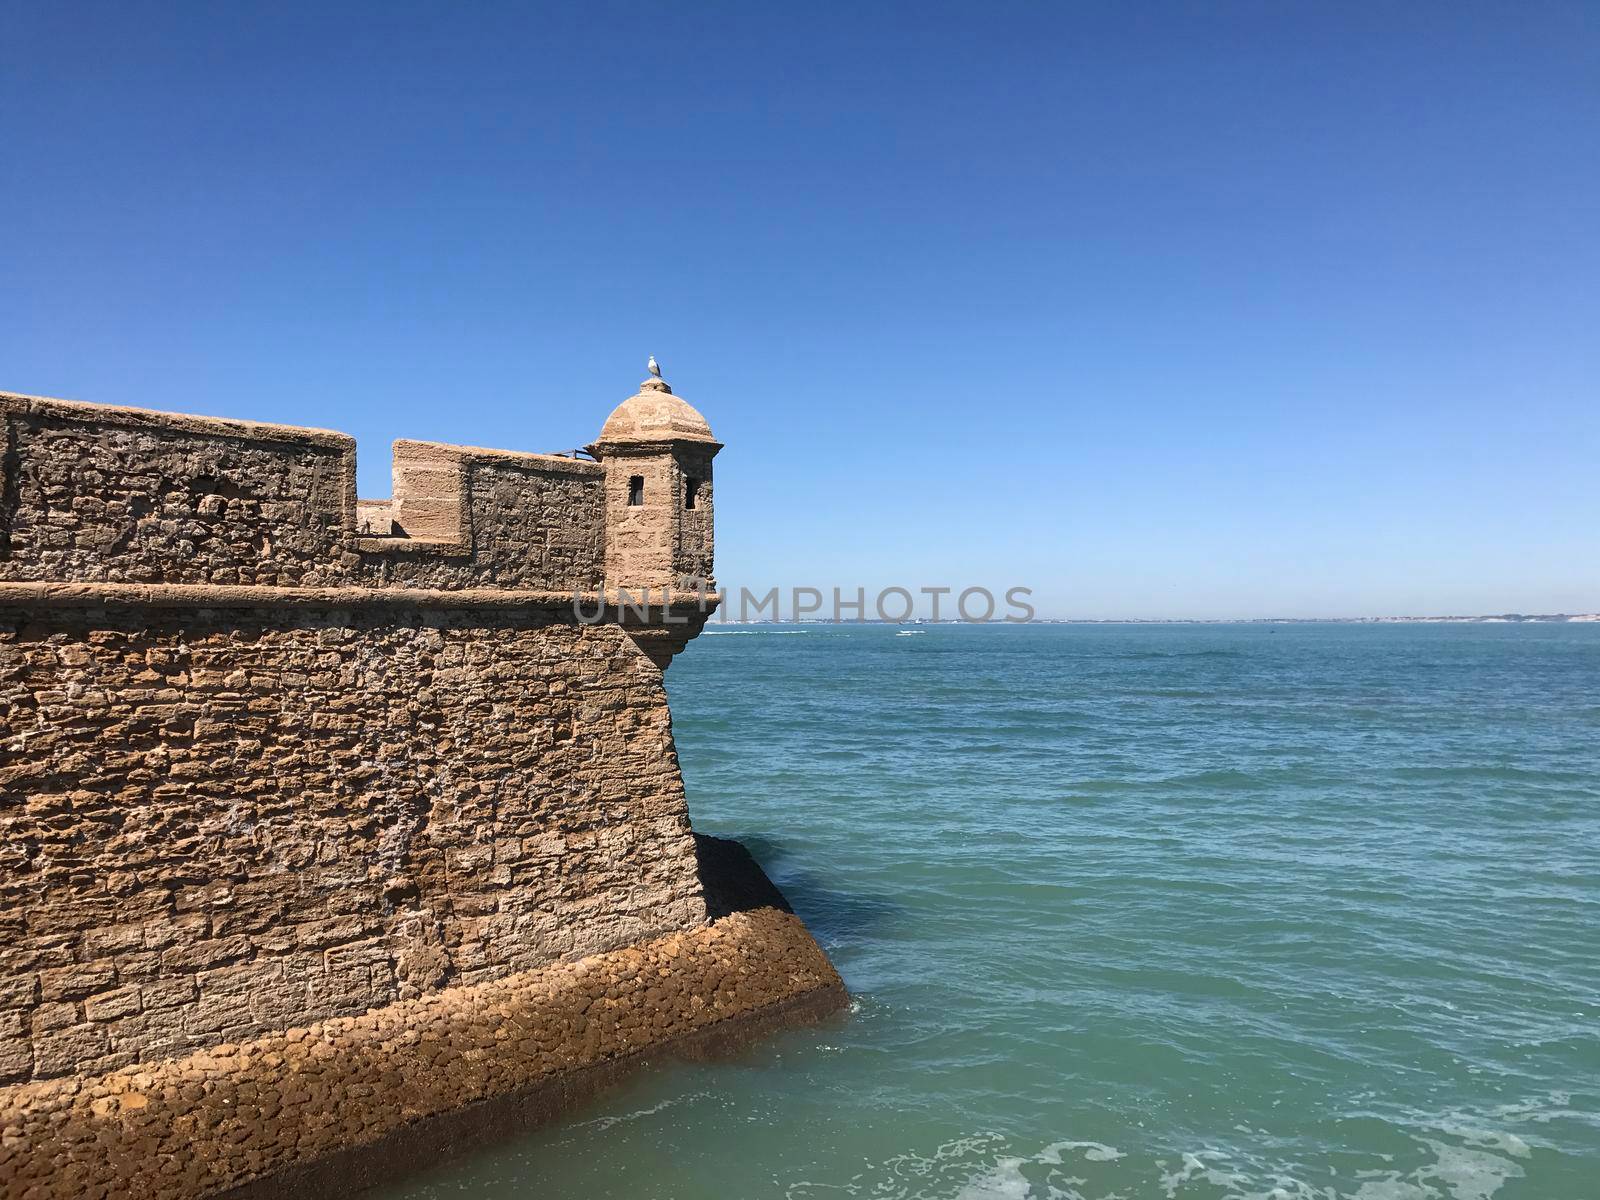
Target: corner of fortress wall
337 804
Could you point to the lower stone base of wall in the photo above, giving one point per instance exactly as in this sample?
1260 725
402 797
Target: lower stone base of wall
419 1146
335 1106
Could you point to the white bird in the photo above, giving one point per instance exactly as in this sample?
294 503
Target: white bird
655 367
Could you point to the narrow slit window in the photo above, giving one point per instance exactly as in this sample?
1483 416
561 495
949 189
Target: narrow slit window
635 491
691 492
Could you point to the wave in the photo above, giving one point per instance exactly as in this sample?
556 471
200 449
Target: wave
1449 1156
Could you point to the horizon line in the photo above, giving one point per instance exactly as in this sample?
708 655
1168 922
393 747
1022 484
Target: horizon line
1510 618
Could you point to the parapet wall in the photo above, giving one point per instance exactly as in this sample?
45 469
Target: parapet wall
96 494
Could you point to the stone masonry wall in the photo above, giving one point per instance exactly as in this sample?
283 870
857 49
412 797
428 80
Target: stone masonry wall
104 494
660 542
506 520
695 548
92 493
322 1110
218 824
639 537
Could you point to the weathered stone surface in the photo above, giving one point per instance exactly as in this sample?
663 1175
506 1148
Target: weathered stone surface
232 1113
103 494
393 802
657 453
120 494
320 819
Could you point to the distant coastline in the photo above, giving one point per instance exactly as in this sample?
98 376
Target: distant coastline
1500 619
1496 619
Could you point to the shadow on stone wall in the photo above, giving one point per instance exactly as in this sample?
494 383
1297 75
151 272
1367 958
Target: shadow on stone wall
735 880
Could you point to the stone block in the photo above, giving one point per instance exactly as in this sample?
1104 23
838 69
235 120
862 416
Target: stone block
108 1006
60 1052
76 981
54 1014
19 990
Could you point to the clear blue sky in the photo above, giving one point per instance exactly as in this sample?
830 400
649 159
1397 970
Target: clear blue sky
1207 309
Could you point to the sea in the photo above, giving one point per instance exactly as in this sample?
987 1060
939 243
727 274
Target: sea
1139 911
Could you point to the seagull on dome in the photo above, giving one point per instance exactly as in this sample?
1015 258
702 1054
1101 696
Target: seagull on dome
655 367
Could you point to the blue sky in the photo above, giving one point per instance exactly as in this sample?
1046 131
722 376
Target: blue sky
1163 310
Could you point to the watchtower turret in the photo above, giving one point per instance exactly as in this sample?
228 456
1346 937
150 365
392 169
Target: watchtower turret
657 452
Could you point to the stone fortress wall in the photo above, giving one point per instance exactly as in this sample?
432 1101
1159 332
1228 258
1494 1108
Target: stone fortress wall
274 759
96 494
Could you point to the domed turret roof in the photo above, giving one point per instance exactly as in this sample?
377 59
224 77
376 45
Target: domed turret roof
654 415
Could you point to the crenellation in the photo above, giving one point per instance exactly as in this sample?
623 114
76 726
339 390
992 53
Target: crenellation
98 493
467 517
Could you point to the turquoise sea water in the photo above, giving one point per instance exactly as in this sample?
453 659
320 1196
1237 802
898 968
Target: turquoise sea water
1141 911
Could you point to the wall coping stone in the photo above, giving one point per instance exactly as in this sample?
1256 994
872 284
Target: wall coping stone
152 418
